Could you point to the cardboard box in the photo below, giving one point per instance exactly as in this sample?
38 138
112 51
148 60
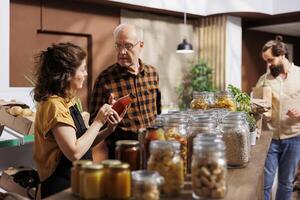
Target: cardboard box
23 125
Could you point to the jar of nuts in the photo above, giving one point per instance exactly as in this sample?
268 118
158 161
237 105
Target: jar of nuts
209 170
166 161
145 185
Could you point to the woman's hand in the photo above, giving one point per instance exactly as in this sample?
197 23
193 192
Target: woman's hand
115 119
104 112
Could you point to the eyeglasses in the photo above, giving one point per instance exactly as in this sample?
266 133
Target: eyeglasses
127 46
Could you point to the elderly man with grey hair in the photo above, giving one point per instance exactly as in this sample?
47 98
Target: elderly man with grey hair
129 76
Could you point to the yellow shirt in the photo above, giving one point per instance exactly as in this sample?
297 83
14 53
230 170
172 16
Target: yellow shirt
285 96
46 152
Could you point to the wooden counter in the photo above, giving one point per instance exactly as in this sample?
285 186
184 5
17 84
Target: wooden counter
245 183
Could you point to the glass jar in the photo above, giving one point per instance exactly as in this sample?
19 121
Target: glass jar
202 100
119 184
128 151
209 170
91 182
236 137
77 166
106 173
145 185
196 127
166 161
145 137
224 99
175 127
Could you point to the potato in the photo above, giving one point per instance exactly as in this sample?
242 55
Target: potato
15 110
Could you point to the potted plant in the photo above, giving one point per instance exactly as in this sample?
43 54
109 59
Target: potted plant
198 78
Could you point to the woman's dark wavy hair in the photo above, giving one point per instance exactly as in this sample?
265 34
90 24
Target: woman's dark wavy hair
279 48
55 66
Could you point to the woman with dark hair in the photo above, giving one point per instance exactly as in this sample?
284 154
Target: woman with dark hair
60 134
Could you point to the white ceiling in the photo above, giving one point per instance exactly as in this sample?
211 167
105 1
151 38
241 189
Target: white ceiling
291 29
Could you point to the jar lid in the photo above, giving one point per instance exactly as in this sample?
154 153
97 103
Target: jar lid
108 163
92 167
127 143
80 163
147 176
120 166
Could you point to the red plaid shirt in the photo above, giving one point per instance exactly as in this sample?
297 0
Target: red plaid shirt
144 87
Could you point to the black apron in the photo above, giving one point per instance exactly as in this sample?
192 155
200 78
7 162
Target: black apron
61 178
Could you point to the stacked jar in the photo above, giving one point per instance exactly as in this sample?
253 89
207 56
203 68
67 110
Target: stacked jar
224 99
236 136
198 126
175 128
209 169
128 151
145 137
202 100
165 159
145 185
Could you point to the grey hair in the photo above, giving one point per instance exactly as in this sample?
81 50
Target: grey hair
138 30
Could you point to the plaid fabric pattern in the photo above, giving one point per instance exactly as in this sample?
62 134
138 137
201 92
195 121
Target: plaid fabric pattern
143 87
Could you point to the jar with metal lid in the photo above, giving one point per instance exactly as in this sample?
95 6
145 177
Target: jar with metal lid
119 182
91 182
196 127
202 100
77 166
209 170
224 99
166 161
128 151
106 171
175 127
236 137
145 185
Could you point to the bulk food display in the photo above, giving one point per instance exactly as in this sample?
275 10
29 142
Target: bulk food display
166 161
209 170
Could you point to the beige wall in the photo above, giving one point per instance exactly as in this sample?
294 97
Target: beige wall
162 34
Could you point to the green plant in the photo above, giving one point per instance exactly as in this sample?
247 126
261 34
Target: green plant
243 102
198 78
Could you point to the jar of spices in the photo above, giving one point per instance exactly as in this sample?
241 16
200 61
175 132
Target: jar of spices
119 182
236 137
145 185
91 182
209 170
166 161
77 166
128 151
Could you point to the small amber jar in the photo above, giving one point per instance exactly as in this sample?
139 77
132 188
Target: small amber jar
77 166
119 184
91 182
128 151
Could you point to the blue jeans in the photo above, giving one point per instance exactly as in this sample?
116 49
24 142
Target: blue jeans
284 154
